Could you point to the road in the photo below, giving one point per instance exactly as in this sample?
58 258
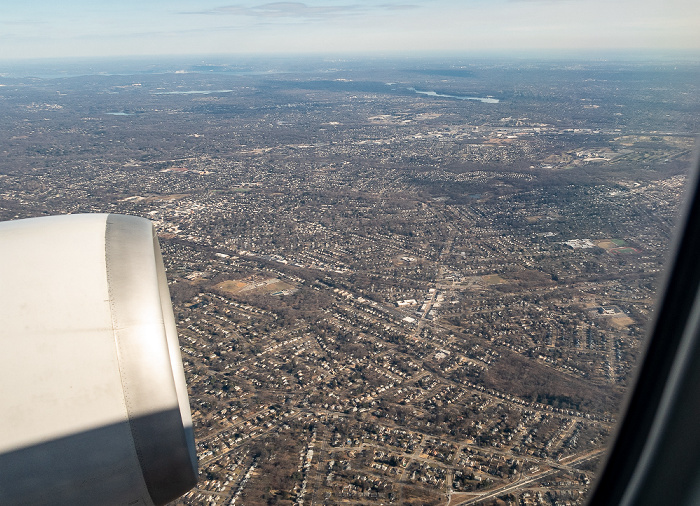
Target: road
522 482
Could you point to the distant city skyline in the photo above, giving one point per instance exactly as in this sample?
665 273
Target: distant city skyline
78 28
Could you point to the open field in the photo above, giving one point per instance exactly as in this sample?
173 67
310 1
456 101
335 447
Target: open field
261 286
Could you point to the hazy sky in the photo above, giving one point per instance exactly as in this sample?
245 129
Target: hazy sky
47 28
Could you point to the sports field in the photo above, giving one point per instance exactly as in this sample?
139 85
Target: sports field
608 244
268 285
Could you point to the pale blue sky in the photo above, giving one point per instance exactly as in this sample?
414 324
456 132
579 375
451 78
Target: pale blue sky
74 28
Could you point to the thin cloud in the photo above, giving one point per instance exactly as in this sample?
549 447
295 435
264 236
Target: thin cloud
23 24
285 10
300 10
399 7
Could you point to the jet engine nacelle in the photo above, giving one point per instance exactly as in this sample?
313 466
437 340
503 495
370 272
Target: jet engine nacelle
93 401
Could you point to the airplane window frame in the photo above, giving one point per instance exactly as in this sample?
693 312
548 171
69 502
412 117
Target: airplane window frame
655 456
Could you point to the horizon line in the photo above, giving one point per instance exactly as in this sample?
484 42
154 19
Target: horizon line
544 53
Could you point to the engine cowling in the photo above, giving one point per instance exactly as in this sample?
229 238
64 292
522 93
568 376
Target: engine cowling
94 400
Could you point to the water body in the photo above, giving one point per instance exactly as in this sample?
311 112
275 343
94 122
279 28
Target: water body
485 100
191 92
